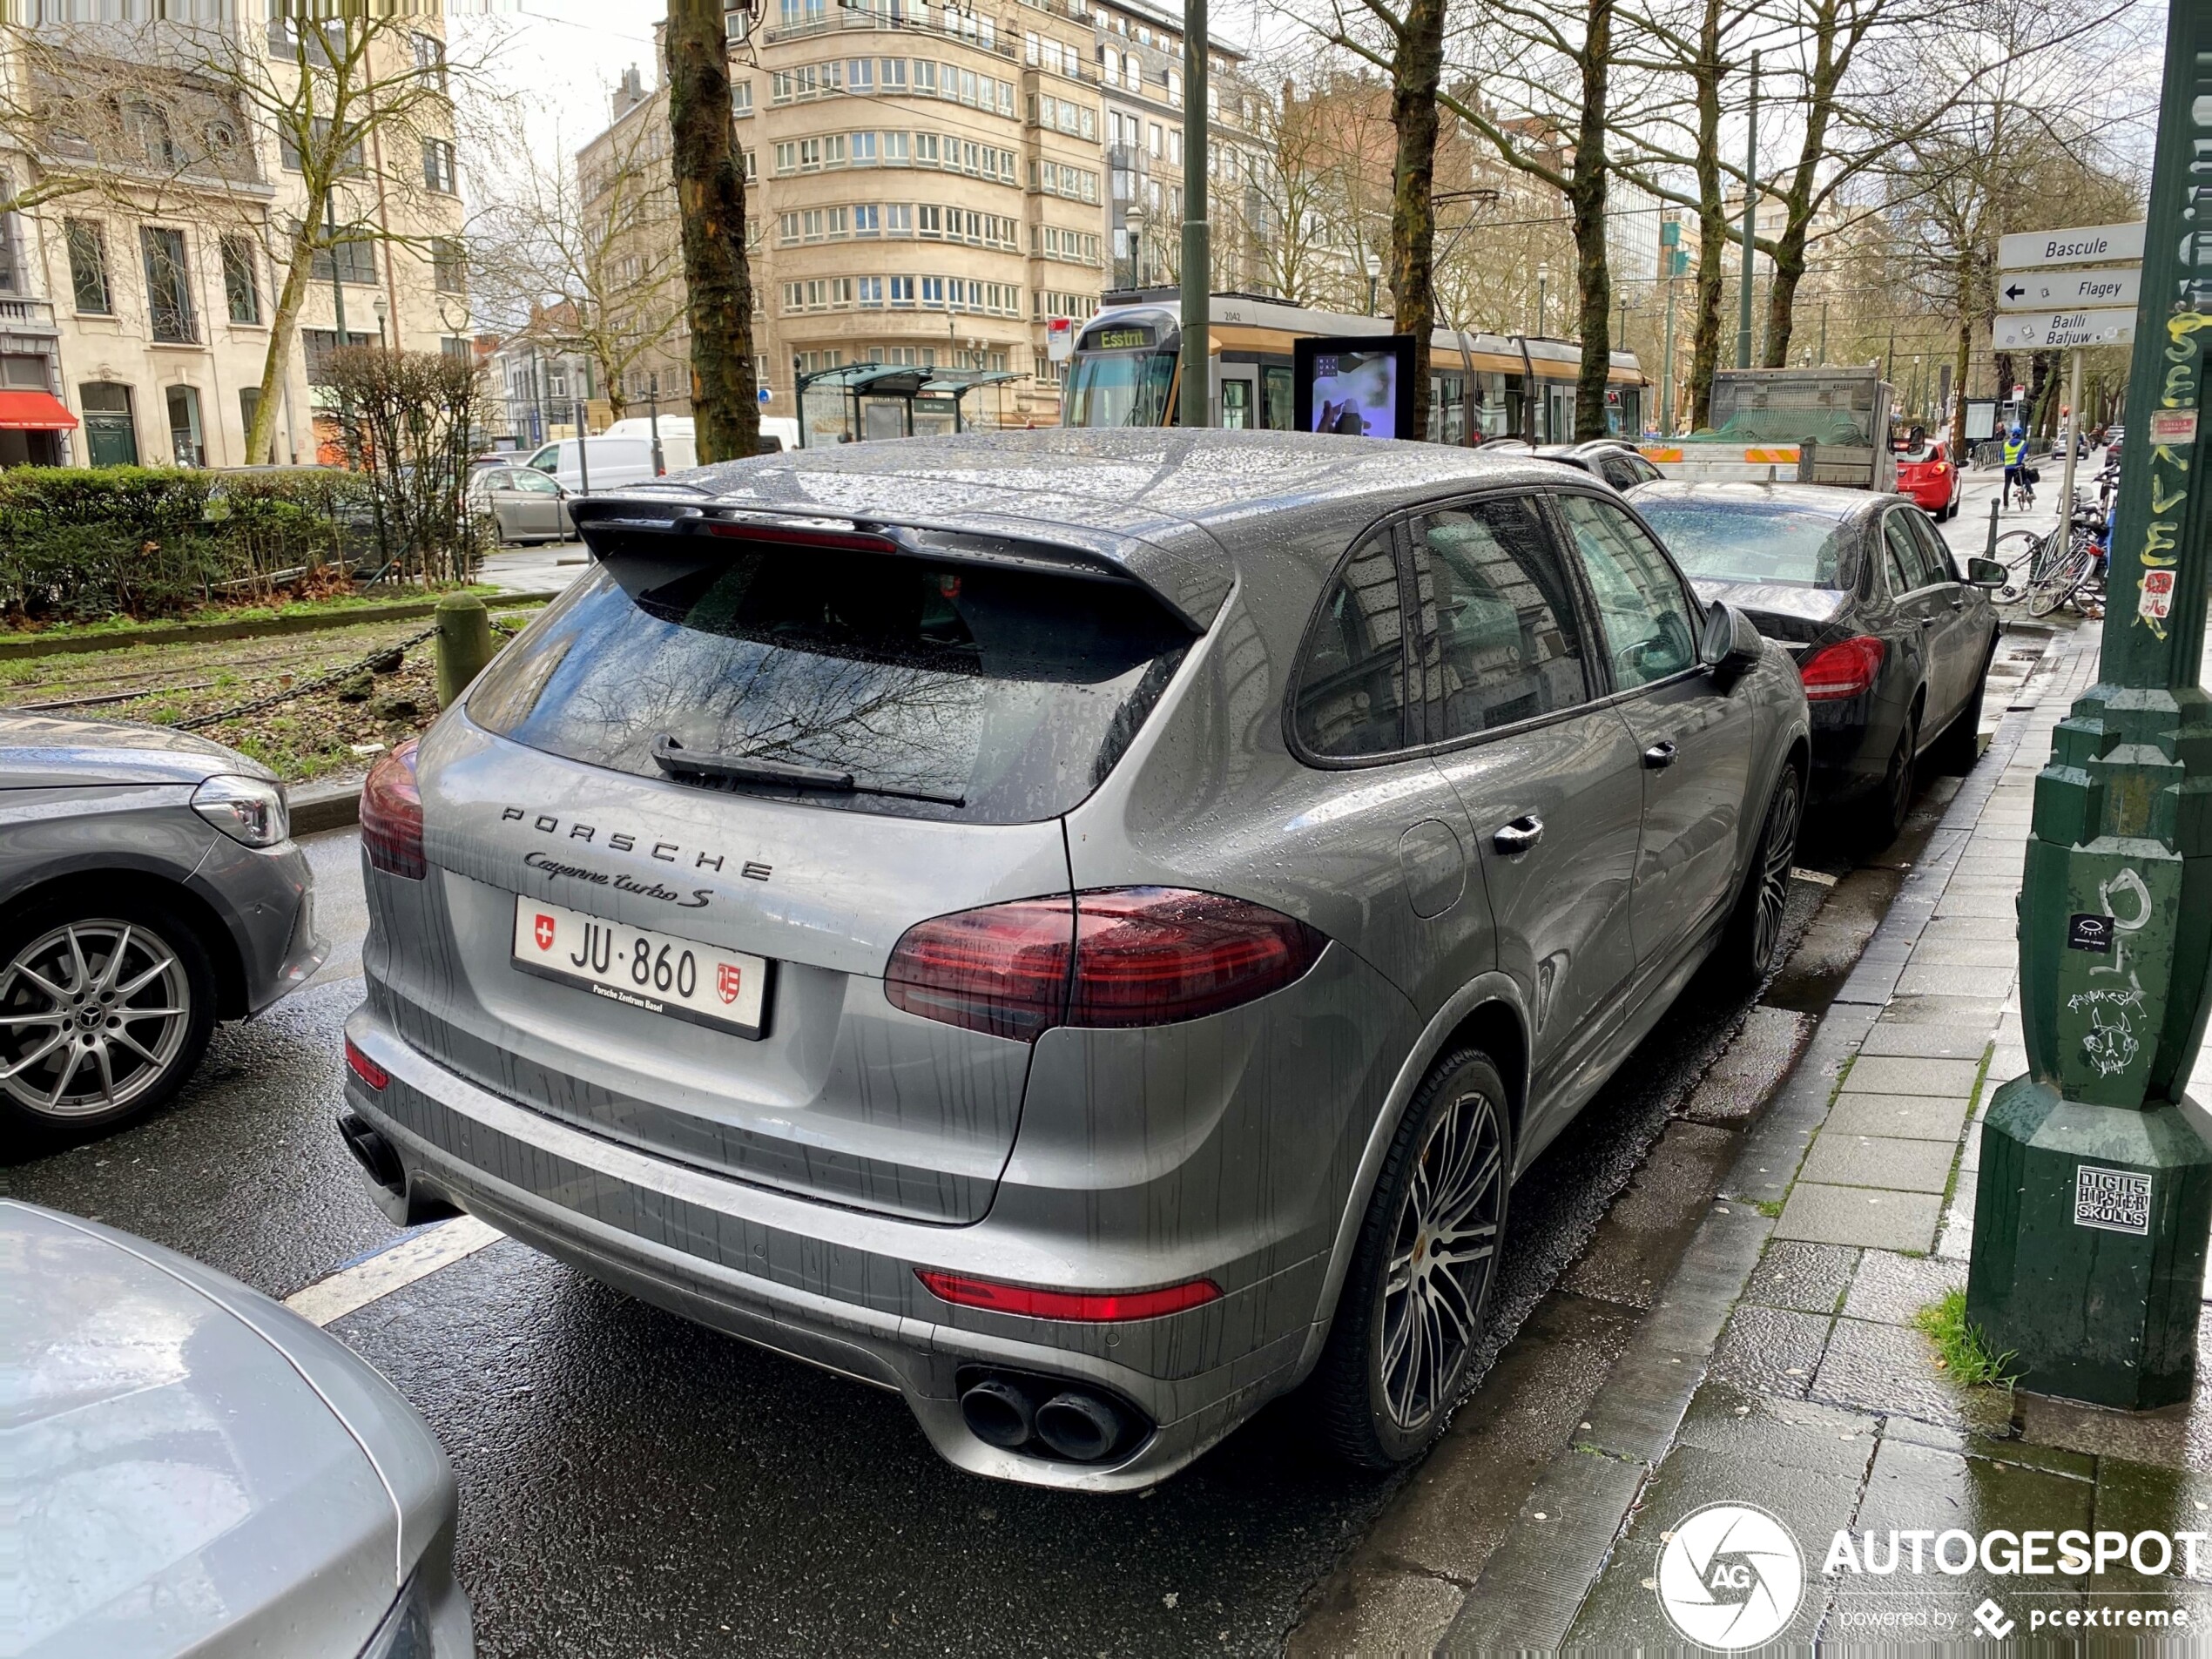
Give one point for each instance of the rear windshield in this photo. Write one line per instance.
(1728, 541)
(943, 690)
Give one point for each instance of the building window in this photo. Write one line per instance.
(168, 286)
(454, 345)
(319, 343)
(430, 61)
(740, 99)
(349, 165)
(437, 167)
(352, 258)
(241, 287)
(88, 269)
(449, 264)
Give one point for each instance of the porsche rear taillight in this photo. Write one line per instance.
(1846, 669)
(1113, 957)
(391, 816)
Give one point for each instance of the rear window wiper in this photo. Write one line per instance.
(672, 757)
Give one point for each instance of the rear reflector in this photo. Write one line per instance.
(1095, 1306)
(365, 1068)
(391, 815)
(1844, 670)
(1115, 957)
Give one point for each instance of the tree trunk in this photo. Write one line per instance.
(1959, 366)
(1712, 224)
(710, 200)
(284, 327)
(1586, 204)
(1782, 293)
(1416, 67)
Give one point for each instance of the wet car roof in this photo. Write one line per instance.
(1182, 511)
(1837, 503)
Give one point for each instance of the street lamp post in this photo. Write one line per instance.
(1543, 282)
(1375, 283)
(2094, 1196)
(1197, 246)
(1750, 221)
(382, 311)
(652, 416)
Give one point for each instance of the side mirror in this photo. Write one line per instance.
(1731, 646)
(1988, 573)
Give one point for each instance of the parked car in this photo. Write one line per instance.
(522, 505)
(192, 1468)
(1926, 477)
(613, 463)
(678, 440)
(1033, 921)
(1893, 644)
(1617, 462)
(148, 887)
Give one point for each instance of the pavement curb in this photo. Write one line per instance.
(29, 646)
(1535, 1582)
(336, 805)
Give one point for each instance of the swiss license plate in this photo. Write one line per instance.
(659, 972)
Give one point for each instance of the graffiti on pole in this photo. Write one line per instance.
(2173, 437)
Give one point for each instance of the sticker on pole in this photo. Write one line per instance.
(2173, 427)
(2085, 932)
(2158, 595)
(2116, 1201)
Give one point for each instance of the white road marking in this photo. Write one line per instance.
(417, 1257)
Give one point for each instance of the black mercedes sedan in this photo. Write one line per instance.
(1892, 641)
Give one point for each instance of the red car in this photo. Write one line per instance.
(1927, 478)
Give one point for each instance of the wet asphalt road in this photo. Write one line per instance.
(635, 1485)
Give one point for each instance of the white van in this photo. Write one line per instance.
(678, 439)
(613, 462)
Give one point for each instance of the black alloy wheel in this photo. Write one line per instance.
(1754, 937)
(1415, 1301)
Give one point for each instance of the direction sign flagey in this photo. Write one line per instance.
(2056, 330)
(2032, 248)
(2112, 284)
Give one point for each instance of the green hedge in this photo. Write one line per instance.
(79, 544)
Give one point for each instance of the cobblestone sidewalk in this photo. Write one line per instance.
(1787, 1373)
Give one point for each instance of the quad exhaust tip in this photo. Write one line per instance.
(1045, 1417)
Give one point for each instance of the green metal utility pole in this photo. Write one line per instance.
(1750, 220)
(1197, 251)
(2095, 1193)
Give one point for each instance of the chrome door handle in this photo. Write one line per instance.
(1660, 754)
(1520, 835)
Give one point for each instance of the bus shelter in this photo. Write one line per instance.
(860, 401)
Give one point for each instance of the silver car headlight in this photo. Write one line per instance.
(405, 1632)
(250, 810)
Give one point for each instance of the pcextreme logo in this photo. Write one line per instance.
(1731, 1576)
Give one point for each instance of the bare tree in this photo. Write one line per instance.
(710, 195)
(588, 255)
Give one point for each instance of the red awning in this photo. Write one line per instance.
(33, 412)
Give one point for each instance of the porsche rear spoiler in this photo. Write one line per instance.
(655, 520)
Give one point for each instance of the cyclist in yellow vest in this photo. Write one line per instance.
(2016, 476)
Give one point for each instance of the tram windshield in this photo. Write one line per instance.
(1118, 388)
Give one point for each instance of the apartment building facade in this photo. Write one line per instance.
(147, 293)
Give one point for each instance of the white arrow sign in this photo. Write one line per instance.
(2032, 248)
(2112, 284)
(2057, 330)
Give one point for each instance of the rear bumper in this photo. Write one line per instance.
(830, 1286)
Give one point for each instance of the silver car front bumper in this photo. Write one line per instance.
(832, 1286)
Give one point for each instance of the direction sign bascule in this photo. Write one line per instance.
(2043, 309)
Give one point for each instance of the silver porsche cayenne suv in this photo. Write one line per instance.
(1081, 929)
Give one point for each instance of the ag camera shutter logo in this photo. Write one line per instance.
(1731, 1576)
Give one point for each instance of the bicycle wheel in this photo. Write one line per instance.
(2016, 551)
(2051, 589)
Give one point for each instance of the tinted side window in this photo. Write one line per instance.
(1902, 555)
(1500, 642)
(1935, 557)
(1651, 629)
(1351, 686)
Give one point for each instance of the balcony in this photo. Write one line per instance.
(36, 316)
